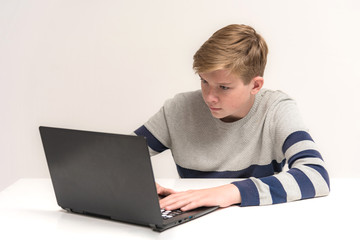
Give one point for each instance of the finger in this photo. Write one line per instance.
(176, 205)
(169, 200)
(184, 205)
(190, 206)
(177, 201)
(163, 191)
(174, 197)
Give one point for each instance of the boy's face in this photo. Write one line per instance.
(226, 95)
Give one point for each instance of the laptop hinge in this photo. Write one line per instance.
(68, 209)
(154, 226)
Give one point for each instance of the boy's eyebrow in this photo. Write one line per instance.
(225, 83)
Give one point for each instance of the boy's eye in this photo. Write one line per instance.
(224, 88)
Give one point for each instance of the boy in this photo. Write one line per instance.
(233, 128)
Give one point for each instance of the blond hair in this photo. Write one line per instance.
(237, 48)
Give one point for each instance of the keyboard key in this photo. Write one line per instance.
(169, 214)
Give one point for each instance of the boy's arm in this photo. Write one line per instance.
(158, 122)
(307, 176)
(154, 145)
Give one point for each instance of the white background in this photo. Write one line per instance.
(109, 65)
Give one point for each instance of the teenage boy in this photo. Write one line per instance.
(233, 128)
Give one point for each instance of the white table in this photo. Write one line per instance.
(28, 209)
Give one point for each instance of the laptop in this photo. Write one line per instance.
(108, 176)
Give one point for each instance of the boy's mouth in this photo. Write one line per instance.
(214, 109)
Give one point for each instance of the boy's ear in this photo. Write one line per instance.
(257, 83)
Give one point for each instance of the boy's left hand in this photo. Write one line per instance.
(222, 196)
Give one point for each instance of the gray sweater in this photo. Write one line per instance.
(269, 150)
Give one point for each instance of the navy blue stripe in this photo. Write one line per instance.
(304, 154)
(277, 191)
(152, 141)
(252, 171)
(249, 193)
(306, 187)
(295, 137)
(322, 171)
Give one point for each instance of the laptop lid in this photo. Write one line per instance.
(102, 174)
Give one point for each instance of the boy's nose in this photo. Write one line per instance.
(211, 96)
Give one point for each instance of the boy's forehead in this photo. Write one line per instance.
(221, 75)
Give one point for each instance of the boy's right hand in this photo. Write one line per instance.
(163, 191)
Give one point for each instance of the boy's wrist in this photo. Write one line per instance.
(233, 194)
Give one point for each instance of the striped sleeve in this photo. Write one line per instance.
(156, 131)
(306, 178)
(306, 165)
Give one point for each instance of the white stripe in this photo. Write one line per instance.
(303, 161)
(320, 185)
(300, 146)
(290, 186)
(264, 192)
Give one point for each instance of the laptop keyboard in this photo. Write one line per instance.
(170, 214)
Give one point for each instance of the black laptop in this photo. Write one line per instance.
(109, 176)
